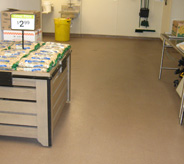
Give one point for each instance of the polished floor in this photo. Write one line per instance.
(120, 113)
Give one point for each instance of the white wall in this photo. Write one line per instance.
(99, 17)
(29, 5)
(166, 17)
(177, 11)
(128, 18)
(108, 17)
(48, 19)
(3, 6)
(19, 4)
(174, 10)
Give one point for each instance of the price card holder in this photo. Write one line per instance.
(22, 22)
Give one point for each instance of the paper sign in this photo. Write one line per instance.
(22, 22)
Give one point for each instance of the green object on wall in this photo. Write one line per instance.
(143, 17)
(145, 23)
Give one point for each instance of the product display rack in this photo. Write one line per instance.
(31, 102)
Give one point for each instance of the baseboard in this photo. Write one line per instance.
(50, 34)
(101, 36)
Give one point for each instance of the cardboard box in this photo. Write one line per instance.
(178, 28)
(14, 35)
(6, 18)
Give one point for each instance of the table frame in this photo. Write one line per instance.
(171, 42)
(32, 105)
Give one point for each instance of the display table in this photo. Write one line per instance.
(31, 102)
(171, 42)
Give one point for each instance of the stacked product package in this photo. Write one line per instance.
(44, 58)
(5, 45)
(13, 52)
(34, 57)
(9, 57)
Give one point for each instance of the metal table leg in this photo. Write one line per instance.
(181, 112)
(181, 107)
(162, 58)
(69, 78)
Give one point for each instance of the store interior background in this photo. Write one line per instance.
(107, 122)
(107, 17)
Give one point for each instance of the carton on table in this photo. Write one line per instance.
(6, 18)
(178, 28)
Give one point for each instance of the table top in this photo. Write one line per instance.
(173, 41)
(40, 75)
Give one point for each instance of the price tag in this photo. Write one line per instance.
(22, 22)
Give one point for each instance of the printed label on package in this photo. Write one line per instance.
(22, 22)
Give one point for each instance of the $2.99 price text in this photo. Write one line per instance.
(22, 23)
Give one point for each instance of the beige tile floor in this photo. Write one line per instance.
(120, 112)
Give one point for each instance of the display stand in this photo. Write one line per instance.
(170, 41)
(31, 102)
